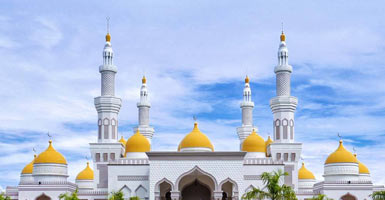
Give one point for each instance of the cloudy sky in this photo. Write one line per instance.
(195, 55)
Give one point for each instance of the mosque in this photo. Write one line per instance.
(194, 171)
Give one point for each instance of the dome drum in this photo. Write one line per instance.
(26, 179)
(341, 172)
(195, 149)
(43, 172)
(85, 184)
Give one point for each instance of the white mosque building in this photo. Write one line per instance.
(194, 171)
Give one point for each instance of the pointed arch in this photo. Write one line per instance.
(141, 192)
(164, 180)
(193, 170)
(126, 191)
(235, 185)
(348, 196)
(248, 189)
(43, 197)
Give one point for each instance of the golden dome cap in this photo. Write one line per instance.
(28, 169)
(304, 173)
(144, 80)
(108, 37)
(283, 37)
(123, 141)
(254, 143)
(361, 167)
(196, 139)
(268, 141)
(86, 174)
(50, 155)
(247, 80)
(341, 155)
(137, 143)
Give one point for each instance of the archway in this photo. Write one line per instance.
(229, 189)
(196, 191)
(348, 196)
(43, 197)
(163, 189)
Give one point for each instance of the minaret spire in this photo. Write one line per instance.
(247, 106)
(144, 112)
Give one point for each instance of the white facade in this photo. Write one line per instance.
(192, 172)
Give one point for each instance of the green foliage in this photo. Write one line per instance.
(3, 197)
(321, 197)
(116, 196)
(272, 189)
(379, 195)
(134, 198)
(72, 196)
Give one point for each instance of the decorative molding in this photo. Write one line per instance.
(132, 178)
(252, 177)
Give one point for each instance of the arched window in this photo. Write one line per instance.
(106, 124)
(99, 129)
(277, 133)
(113, 127)
(284, 124)
(141, 192)
(291, 129)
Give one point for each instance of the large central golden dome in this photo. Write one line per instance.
(137, 143)
(50, 155)
(341, 155)
(195, 139)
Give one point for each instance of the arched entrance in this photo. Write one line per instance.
(348, 197)
(43, 197)
(196, 191)
(229, 189)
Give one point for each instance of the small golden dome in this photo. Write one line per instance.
(144, 80)
(86, 174)
(254, 143)
(196, 139)
(123, 141)
(283, 37)
(268, 142)
(247, 80)
(304, 173)
(108, 37)
(50, 155)
(28, 169)
(361, 167)
(137, 143)
(341, 155)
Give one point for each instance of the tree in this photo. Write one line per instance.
(4, 197)
(321, 197)
(379, 195)
(72, 196)
(116, 196)
(135, 198)
(272, 189)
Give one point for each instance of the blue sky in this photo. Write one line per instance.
(195, 55)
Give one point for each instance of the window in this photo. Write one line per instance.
(113, 127)
(277, 133)
(292, 158)
(285, 156)
(291, 129)
(105, 157)
(112, 156)
(284, 123)
(278, 156)
(106, 122)
(99, 129)
(97, 157)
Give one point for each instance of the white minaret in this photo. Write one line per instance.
(144, 112)
(283, 106)
(108, 148)
(247, 113)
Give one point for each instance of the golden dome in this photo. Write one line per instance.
(50, 155)
(304, 173)
(268, 142)
(247, 80)
(196, 139)
(341, 155)
(283, 37)
(361, 167)
(144, 80)
(108, 37)
(86, 174)
(28, 169)
(123, 141)
(137, 143)
(254, 143)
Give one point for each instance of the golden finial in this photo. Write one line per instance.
(283, 37)
(108, 36)
(247, 80)
(144, 80)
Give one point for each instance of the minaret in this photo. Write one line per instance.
(107, 149)
(247, 114)
(144, 112)
(283, 106)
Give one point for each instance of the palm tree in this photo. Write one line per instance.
(4, 197)
(72, 196)
(116, 196)
(379, 195)
(134, 198)
(272, 190)
(321, 197)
